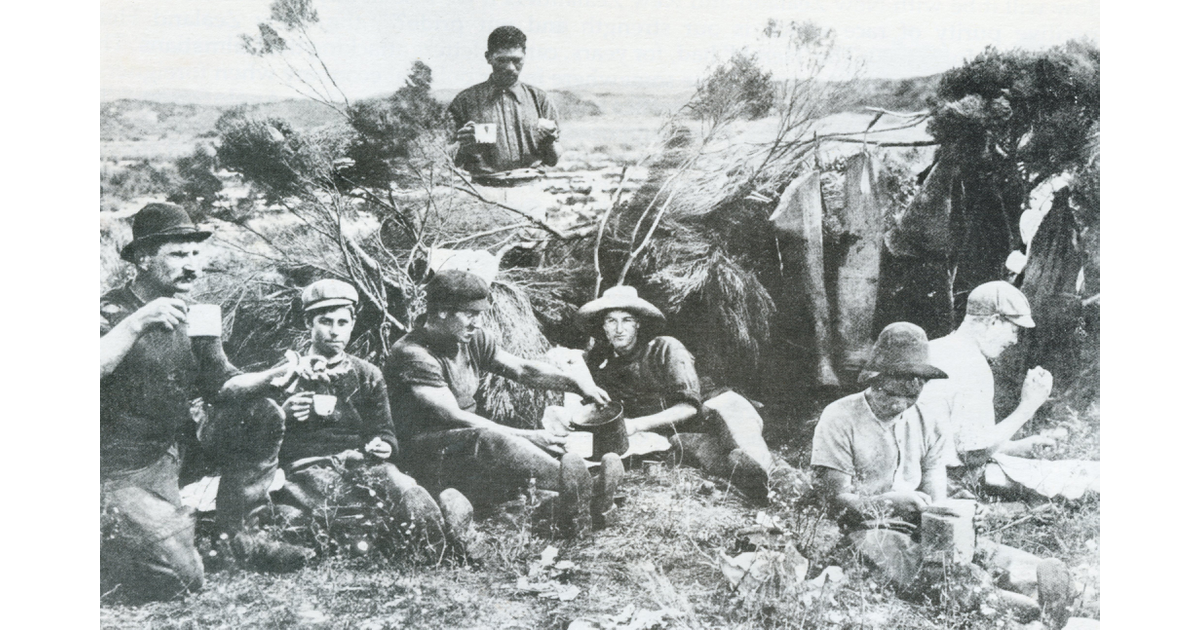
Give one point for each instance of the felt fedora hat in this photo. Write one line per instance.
(160, 223)
(620, 297)
(902, 350)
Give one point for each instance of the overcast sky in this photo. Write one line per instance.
(369, 44)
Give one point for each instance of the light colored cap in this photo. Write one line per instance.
(1000, 298)
(327, 293)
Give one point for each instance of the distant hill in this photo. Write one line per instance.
(137, 120)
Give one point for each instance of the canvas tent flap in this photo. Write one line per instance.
(797, 219)
(923, 229)
(858, 276)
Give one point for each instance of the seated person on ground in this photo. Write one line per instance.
(995, 312)
(150, 370)
(878, 460)
(654, 378)
(433, 374)
(339, 430)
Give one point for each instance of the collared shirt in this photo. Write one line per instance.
(657, 375)
(361, 414)
(879, 456)
(419, 359)
(146, 400)
(515, 111)
(964, 402)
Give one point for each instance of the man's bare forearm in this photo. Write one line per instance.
(679, 413)
(115, 345)
(254, 383)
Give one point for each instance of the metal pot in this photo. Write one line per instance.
(607, 426)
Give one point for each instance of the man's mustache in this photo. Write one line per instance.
(188, 275)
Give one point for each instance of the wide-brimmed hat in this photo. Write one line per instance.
(457, 289)
(160, 223)
(902, 350)
(1000, 298)
(328, 293)
(620, 297)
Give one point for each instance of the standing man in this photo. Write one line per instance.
(433, 374)
(150, 370)
(526, 122)
(984, 449)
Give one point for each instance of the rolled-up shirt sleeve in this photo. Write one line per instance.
(676, 371)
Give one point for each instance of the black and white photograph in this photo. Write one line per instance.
(609, 316)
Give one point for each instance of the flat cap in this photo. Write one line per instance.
(327, 293)
(458, 289)
(1000, 298)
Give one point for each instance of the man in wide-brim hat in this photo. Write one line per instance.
(654, 377)
(875, 449)
(150, 371)
(880, 462)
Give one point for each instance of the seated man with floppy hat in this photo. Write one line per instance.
(654, 377)
(879, 460)
(339, 432)
(433, 375)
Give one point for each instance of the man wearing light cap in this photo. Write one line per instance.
(996, 311)
(339, 432)
(433, 375)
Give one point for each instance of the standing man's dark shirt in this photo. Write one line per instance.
(515, 111)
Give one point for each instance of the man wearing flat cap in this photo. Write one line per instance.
(339, 431)
(654, 377)
(996, 311)
(150, 371)
(433, 374)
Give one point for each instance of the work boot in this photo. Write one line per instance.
(459, 516)
(424, 516)
(258, 551)
(604, 488)
(1054, 592)
(748, 476)
(575, 495)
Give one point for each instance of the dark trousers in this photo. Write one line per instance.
(147, 536)
(146, 546)
(487, 466)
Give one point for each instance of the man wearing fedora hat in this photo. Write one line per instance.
(339, 431)
(150, 371)
(983, 450)
(654, 377)
(433, 374)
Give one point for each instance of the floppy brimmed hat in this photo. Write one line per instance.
(902, 350)
(160, 223)
(1000, 298)
(620, 297)
(327, 293)
(458, 289)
